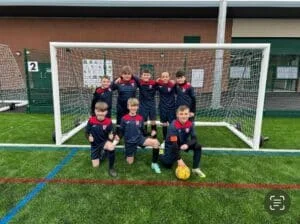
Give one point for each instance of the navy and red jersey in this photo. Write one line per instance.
(147, 93)
(131, 128)
(179, 133)
(126, 90)
(103, 95)
(186, 96)
(167, 95)
(99, 129)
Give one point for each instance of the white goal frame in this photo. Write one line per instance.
(253, 143)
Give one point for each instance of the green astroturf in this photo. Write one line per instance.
(94, 203)
(18, 163)
(38, 128)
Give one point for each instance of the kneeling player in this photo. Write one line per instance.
(99, 134)
(132, 129)
(181, 137)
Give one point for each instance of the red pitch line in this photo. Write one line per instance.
(155, 183)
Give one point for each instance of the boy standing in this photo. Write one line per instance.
(132, 129)
(103, 94)
(185, 93)
(126, 87)
(166, 89)
(181, 137)
(99, 133)
(147, 108)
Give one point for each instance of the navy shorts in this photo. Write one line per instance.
(167, 161)
(167, 115)
(96, 150)
(148, 113)
(131, 148)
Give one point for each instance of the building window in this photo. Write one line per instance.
(284, 64)
(191, 39)
(283, 73)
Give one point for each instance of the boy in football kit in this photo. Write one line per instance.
(132, 129)
(126, 86)
(166, 89)
(185, 93)
(181, 137)
(99, 134)
(103, 94)
(147, 108)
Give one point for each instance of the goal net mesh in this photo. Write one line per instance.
(12, 82)
(225, 81)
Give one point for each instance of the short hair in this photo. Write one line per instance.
(179, 74)
(126, 69)
(105, 77)
(101, 106)
(133, 102)
(182, 108)
(145, 71)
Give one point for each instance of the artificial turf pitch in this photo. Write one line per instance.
(233, 192)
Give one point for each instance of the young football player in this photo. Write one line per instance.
(132, 129)
(147, 108)
(126, 86)
(185, 93)
(181, 137)
(166, 89)
(103, 94)
(99, 134)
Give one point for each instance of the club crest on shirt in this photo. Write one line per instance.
(150, 86)
(132, 84)
(183, 90)
(169, 89)
(104, 127)
(187, 130)
(137, 122)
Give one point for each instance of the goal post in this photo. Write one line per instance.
(12, 82)
(77, 68)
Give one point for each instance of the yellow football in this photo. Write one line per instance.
(182, 172)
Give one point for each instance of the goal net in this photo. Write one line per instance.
(229, 80)
(12, 83)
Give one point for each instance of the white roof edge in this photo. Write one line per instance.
(113, 3)
(152, 3)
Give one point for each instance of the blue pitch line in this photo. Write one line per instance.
(11, 214)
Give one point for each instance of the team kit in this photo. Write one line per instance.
(177, 107)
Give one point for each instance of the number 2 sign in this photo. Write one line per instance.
(33, 66)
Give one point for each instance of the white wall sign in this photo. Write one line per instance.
(287, 72)
(237, 72)
(93, 70)
(197, 77)
(33, 66)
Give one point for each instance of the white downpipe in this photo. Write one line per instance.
(217, 85)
